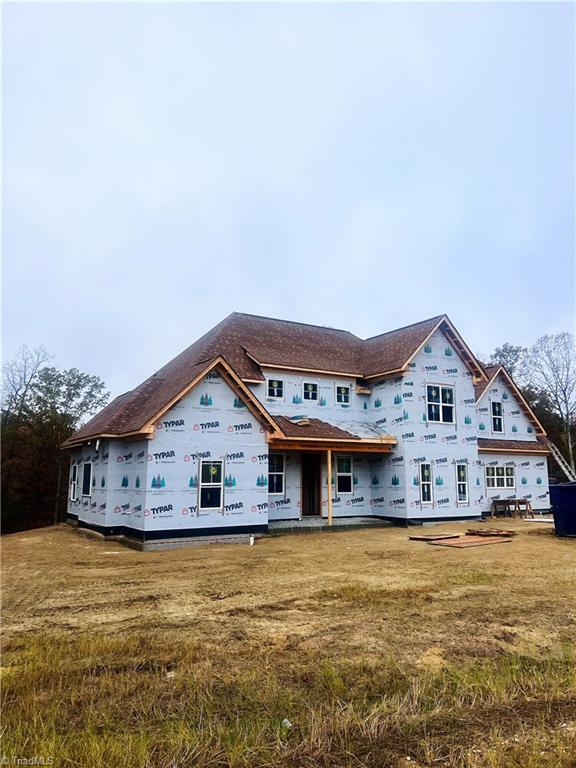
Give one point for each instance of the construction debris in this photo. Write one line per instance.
(489, 532)
(471, 541)
(434, 536)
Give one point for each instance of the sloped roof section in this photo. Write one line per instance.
(391, 351)
(523, 446)
(314, 428)
(249, 342)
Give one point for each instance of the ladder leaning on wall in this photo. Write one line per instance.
(561, 461)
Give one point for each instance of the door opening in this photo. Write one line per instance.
(311, 504)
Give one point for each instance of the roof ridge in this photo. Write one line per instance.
(296, 322)
(404, 327)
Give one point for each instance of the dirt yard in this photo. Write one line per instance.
(351, 600)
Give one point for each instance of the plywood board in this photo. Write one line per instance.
(471, 541)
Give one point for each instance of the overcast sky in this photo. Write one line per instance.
(358, 166)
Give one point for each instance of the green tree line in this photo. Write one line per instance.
(41, 407)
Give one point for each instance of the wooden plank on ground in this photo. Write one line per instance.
(433, 536)
(471, 541)
(489, 532)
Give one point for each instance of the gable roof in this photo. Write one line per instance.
(134, 413)
(246, 344)
(492, 372)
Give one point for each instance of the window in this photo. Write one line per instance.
(425, 484)
(87, 479)
(343, 395)
(276, 389)
(440, 404)
(74, 483)
(500, 477)
(211, 485)
(310, 391)
(276, 473)
(497, 418)
(344, 478)
(462, 483)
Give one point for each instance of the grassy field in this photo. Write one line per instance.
(349, 649)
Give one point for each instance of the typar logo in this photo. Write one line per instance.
(196, 456)
(173, 425)
(162, 510)
(261, 458)
(163, 457)
(207, 426)
(246, 427)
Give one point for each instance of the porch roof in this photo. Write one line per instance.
(316, 434)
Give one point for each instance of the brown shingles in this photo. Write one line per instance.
(313, 428)
(241, 337)
(539, 445)
(390, 351)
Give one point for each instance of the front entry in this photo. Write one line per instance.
(311, 484)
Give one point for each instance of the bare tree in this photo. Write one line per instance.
(550, 365)
(510, 356)
(19, 375)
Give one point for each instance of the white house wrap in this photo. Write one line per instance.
(243, 427)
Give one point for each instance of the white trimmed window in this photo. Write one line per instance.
(87, 479)
(276, 470)
(500, 477)
(343, 395)
(344, 475)
(462, 483)
(211, 483)
(440, 404)
(74, 483)
(497, 417)
(425, 476)
(276, 389)
(310, 390)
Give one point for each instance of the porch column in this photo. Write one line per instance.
(329, 467)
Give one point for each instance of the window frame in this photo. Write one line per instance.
(339, 474)
(422, 483)
(493, 474)
(282, 474)
(74, 483)
(317, 390)
(84, 465)
(337, 394)
(269, 385)
(462, 502)
(493, 417)
(441, 405)
(202, 484)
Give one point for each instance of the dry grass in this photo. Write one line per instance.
(379, 651)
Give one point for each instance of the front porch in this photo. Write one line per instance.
(322, 476)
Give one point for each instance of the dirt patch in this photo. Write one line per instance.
(365, 592)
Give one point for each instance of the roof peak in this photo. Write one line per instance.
(292, 322)
(404, 327)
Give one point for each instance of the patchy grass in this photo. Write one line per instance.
(157, 701)
(360, 649)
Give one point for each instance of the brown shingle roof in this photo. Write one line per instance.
(390, 351)
(241, 337)
(538, 446)
(314, 428)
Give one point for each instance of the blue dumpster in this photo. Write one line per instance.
(563, 501)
